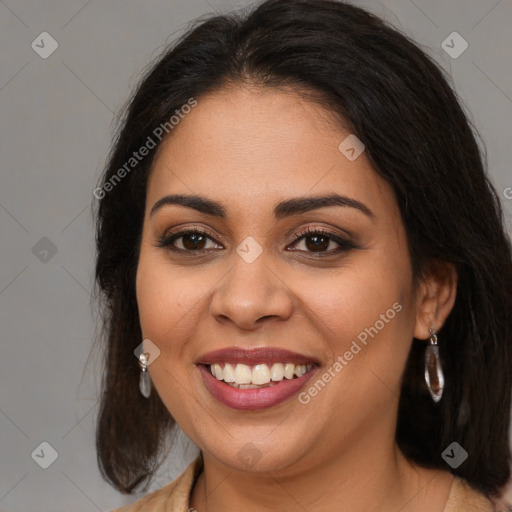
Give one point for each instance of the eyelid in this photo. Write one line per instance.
(347, 237)
(165, 239)
(195, 229)
(345, 242)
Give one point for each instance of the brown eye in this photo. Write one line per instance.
(190, 240)
(193, 241)
(314, 240)
(317, 242)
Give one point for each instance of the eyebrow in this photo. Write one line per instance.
(293, 206)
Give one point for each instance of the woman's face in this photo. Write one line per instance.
(254, 278)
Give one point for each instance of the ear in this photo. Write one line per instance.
(435, 298)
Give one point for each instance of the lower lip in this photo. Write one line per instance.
(255, 398)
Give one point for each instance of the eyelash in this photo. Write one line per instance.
(345, 244)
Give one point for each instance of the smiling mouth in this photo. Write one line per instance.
(242, 376)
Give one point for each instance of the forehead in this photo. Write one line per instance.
(246, 146)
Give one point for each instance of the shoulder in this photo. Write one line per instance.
(174, 497)
(464, 498)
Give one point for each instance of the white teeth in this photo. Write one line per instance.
(260, 374)
(243, 374)
(243, 377)
(277, 372)
(229, 373)
(300, 370)
(289, 370)
(217, 371)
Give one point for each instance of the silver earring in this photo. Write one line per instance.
(145, 379)
(433, 371)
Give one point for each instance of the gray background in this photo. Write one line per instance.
(56, 126)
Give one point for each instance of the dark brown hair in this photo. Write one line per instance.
(400, 105)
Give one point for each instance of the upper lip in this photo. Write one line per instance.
(256, 355)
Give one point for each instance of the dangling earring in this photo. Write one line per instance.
(433, 372)
(144, 380)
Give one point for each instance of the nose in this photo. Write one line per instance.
(251, 294)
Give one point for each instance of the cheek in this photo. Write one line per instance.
(170, 299)
(366, 316)
(348, 302)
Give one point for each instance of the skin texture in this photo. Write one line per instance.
(250, 148)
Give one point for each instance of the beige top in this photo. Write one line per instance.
(174, 497)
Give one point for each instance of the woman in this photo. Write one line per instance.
(297, 239)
